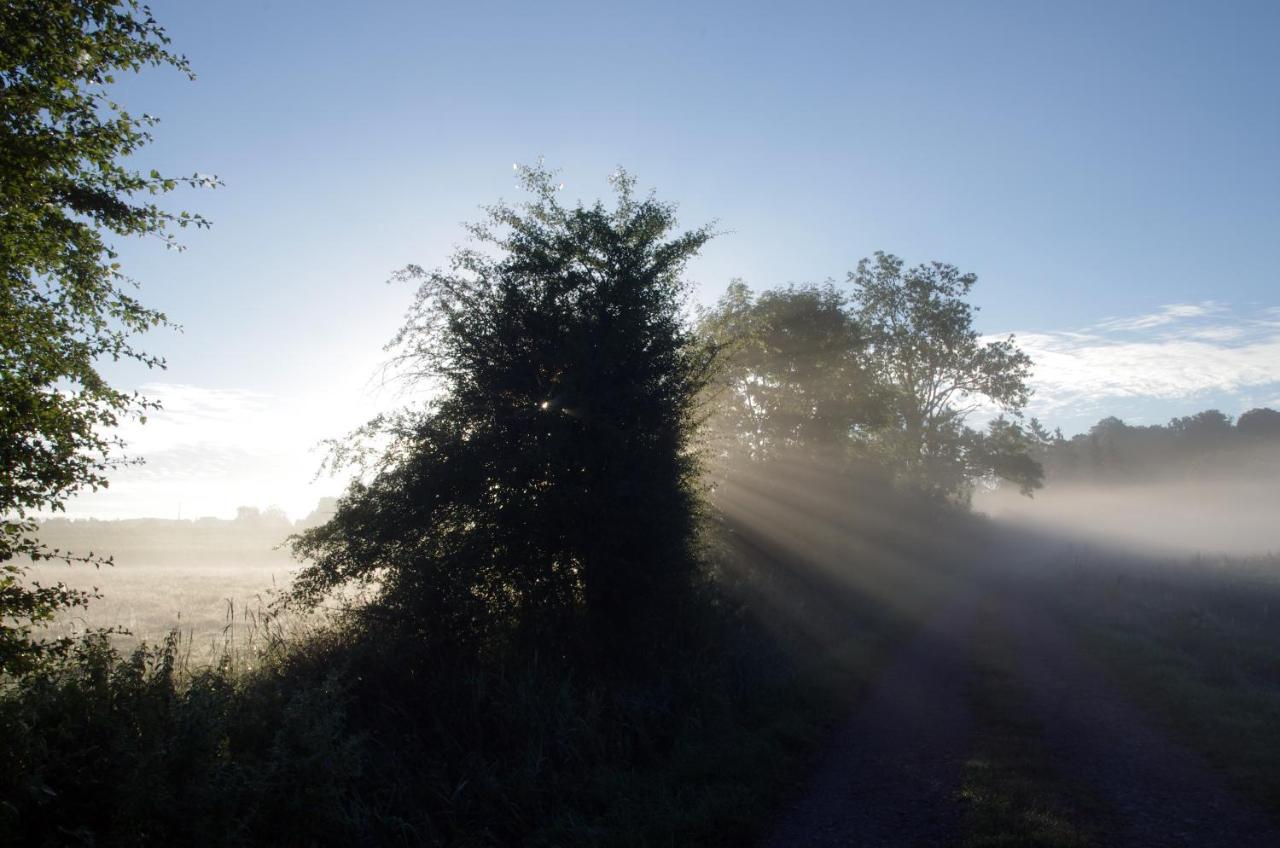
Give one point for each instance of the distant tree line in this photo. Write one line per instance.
(1206, 443)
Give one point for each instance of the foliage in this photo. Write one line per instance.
(883, 378)
(1261, 422)
(938, 370)
(65, 305)
(550, 482)
(332, 739)
(792, 376)
(142, 749)
(1005, 452)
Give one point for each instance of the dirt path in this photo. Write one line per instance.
(890, 774)
(1163, 794)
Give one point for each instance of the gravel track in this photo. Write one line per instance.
(889, 775)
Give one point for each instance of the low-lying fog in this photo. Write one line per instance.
(1171, 517)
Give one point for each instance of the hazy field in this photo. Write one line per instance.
(200, 596)
(1168, 519)
(201, 584)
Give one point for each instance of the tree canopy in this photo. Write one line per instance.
(549, 487)
(937, 369)
(793, 376)
(884, 375)
(65, 303)
(1259, 422)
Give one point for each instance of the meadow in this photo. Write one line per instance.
(1196, 642)
(207, 598)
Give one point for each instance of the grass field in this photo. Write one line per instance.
(1196, 642)
(207, 598)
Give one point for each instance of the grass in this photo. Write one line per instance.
(149, 598)
(1197, 644)
(1012, 794)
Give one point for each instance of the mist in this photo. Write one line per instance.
(1200, 484)
(1179, 516)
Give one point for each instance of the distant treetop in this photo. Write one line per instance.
(1205, 443)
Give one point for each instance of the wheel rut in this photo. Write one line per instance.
(890, 773)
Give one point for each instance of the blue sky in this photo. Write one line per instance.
(1110, 171)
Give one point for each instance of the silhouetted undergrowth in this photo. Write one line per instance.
(341, 735)
(337, 741)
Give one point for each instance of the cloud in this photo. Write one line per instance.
(1168, 314)
(1182, 351)
(209, 450)
(192, 414)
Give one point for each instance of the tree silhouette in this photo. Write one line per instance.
(882, 379)
(1006, 451)
(548, 489)
(937, 370)
(1260, 423)
(1207, 428)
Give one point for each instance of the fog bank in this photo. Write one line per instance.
(1174, 517)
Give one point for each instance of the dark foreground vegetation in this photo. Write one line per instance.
(346, 737)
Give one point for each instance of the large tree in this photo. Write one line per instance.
(879, 381)
(66, 185)
(548, 488)
(938, 370)
(1259, 423)
(792, 378)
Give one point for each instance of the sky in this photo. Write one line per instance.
(1109, 171)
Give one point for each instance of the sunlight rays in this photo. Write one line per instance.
(807, 537)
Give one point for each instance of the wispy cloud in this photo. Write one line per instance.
(1169, 314)
(208, 450)
(1180, 351)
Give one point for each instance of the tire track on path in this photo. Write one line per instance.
(1163, 794)
(890, 774)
